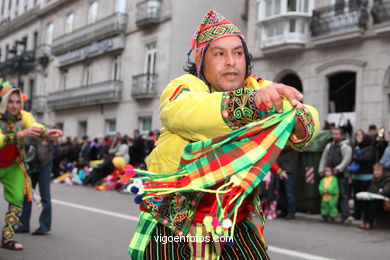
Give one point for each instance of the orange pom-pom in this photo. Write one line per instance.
(24, 97)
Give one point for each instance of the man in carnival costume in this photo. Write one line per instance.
(223, 130)
(15, 125)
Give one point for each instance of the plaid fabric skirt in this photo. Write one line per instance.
(247, 245)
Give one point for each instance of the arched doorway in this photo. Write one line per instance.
(292, 80)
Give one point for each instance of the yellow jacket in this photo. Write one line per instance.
(189, 112)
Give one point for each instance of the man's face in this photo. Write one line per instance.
(14, 104)
(224, 64)
(336, 135)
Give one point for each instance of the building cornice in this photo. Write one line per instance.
(30, 16)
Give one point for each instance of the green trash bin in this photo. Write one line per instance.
(307, 179)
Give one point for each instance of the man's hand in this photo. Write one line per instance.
(321, 174)
(335, 171)
(53, 134)
(271, 96)
(30, 132)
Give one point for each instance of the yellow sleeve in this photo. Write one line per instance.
(189, 110)
(2, 138)
(28, 121)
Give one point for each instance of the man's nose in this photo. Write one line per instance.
(230, 60)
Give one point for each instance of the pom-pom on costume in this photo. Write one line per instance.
(214, 150)
(13, 175)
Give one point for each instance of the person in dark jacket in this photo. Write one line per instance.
(363, 159)
(379, 185)
(288, 161)
(137, 151)
(39, 169)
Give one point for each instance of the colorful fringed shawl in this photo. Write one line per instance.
(240, 160)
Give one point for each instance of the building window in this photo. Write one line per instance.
(150, 58)
(64, 79)
(69, 23)
(87, 77)
(92, 14)
(342, 92)
(121, 6)
(83, 128)
(116, 68)
(49, 33)
(111, 127)
(145, 124)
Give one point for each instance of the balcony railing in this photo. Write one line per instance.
(107, 27)
(380, 12)
(22, 63)
(144, 86)
(98, 93)
(148, 13)
(39, 103)
(334, 19)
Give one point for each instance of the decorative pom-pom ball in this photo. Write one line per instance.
(215, 222)
(138, 200)
(226, 223)
(218, 230)
(207, 221)
(230, 242)
(134, 190)
(138, 183)
(118, 162)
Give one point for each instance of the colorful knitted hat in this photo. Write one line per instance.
(6, 89)
(214, 26)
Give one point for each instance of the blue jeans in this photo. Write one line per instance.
(288, 185)
(344, 196)
(43, 179)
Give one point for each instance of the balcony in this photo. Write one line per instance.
(22, 63)
(39, 103)
(144, 86)
(338, 23)
(283, 26)
(102, 29)
(99, 93)
(381, 16)
(148, 13)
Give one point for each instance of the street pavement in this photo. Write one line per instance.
(90, 224)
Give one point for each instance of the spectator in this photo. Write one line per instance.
(137, 151)
(85, 150)
(363, 159)
(116, 143)
(380, 185)
(123, 150)
(94, 150)
(74, 150)
(39, 169)
(378, 141)
(337, 155)
(269, 195)
(385, 159)
(150, 142)
(288, 161)
(104, 147)
(329, 190)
